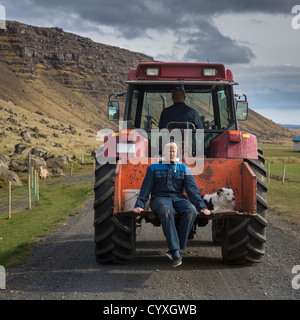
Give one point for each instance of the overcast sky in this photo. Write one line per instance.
(254, 38)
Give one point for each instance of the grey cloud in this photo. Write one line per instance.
(117, 13)
(134, 18)
(179, 6)
(234, 6)
(209, 43)
(263, 79)
(155, 14)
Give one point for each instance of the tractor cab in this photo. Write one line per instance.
(208, 89)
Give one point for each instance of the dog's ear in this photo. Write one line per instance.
(220, 190)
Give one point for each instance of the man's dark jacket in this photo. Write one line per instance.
(165, 179)
(179, 112)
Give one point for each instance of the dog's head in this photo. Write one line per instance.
(226, 193)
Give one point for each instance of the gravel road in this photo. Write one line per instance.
(62, 266)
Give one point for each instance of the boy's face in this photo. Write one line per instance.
(170, 152)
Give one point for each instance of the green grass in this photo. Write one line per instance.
(57, 202)
(292, 172)
(277, 156)
(279, 151)
(284, 199)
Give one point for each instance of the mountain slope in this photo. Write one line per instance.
(266, 130)
(66, 76)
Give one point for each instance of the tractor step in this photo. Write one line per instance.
(214, 215)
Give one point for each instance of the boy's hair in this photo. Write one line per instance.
(168, 145)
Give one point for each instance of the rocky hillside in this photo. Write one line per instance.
(54, 89)
(266, 130)
(62, 75)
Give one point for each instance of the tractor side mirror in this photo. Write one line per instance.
(113, 110)
(242, 110)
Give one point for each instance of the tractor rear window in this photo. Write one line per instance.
(211, 103)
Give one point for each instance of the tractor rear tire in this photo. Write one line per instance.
(243, 239)
(216, 230)
(114, 236)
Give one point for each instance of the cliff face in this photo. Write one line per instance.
(80, 63)
(57, 72)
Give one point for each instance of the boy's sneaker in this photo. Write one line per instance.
(177, 261)
(169, 255)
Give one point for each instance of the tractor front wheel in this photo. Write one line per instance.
(243, 239)
(114, 236)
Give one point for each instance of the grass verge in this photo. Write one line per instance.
(57, 202)
(283, 199)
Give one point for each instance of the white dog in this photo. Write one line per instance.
(222, 200)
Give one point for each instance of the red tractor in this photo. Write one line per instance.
(230, 158)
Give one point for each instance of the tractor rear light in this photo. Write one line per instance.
(210, 72)
(235, 136)
(127, 135)
(152, 72)
(126, 148)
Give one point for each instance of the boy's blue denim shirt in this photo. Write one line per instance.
(164, 179)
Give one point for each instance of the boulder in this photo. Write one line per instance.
(40, 135)
(57, 172)
(57, 145)
(21, 148)
(10, 176)
(36, 162)
(55, 161)
(40, 152)
(66, 159)
(3, 161)
(58, 161)
(26, 135)
(18, 165)
(12, 120)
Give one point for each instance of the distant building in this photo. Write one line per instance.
(297, 143)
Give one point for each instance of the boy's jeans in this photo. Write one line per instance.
(166, 207)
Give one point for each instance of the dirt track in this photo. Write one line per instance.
(62, 266)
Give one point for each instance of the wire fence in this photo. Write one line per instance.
(16, 199)
(284, 171)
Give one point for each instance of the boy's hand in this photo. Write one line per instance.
(206, 212)
(138, 210)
